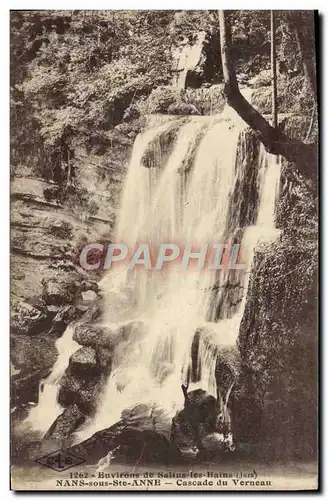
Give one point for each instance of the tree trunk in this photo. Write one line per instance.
(274, 140)
(274, 70)
(68, 168)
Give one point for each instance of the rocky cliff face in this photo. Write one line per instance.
(48, 287)
(278, 339)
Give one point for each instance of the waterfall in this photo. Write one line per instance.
(211, 183)
(186, 198)
(187, 58)
(48, 409)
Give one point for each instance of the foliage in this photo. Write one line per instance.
(206, 100)
(161, 99)
(294, 96)
(182, 108)
(251, 40)
(79, 72)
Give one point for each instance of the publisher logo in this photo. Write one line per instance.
(60, 460)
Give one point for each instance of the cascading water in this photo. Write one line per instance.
(186, 200)
(199, 193)
(47, 410)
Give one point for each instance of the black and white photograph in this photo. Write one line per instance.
(164, 250)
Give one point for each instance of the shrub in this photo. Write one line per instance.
(293, 95)
(51, 193)
(161, 98)
(171, 100)
(182, 108)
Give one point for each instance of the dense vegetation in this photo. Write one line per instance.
(84, 81)
(75, 75)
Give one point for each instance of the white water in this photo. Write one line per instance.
(172, 205)
(187, 58)
(48, 409)
(172, 303)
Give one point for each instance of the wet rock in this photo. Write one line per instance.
(90, 314)
(94, 335)
(66, 423)
(32, 354)
(228, 369)
(89, 295)
(184, 437)
(97, 446)
(60, 289)
(33, 359)
(28, 319)
(193, 423)
(25, 387)
(84, 362)
(148, 417)
(80, 391)
(89, 285)
(142, 435)
(65, 315)
(101, 341)
(144, 446)
(163, 142)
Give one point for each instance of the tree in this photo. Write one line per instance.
(301, 22)
(74, 74)
(273, 138)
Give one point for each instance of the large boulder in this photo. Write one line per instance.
(29, 355)
(141, 435)
(60, 289)
(32, 360)
(97, 446)
(192, 424)
(84, 392)
(28, 319)
(184, 437)
(148, 417)
(94, 335)
(145, 446)
(65, 424)
(84, 362)
(64, 316)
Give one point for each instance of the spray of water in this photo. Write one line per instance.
(184, 199)
(184, 206)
